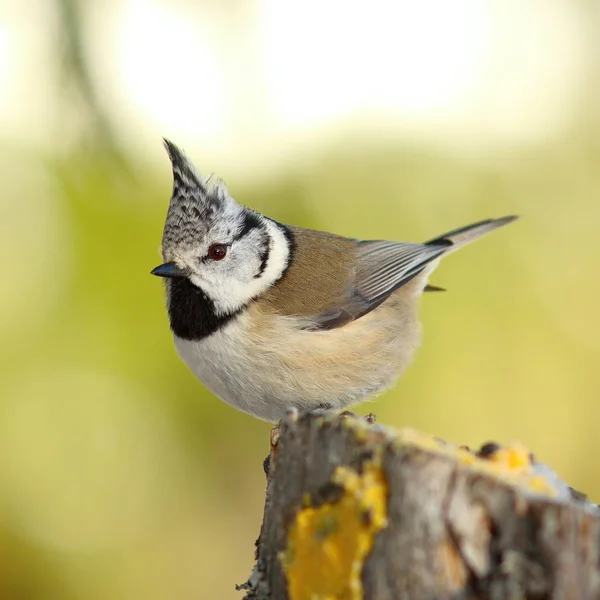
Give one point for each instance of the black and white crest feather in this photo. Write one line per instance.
(194, 204)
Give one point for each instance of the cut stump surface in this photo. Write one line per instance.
(358, 511)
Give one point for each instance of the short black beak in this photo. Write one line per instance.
(169, 269)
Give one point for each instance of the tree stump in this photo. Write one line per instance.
(359, 511)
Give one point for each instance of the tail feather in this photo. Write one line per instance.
(465, 235)
(433, 288)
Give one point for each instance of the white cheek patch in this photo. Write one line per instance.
(279, 257)
(232, 289)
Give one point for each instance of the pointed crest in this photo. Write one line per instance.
(185, 175)
(194, 205)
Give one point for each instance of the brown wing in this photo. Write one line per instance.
(382, 267)
(334, 280)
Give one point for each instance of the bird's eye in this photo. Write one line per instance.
(217, 251)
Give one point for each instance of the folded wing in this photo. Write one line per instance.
(384, 266)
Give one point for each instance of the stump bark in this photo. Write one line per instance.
(358, 511)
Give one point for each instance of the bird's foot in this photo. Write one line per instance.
(369, 418)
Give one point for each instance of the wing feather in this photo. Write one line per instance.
(385, 266)
(382, 267)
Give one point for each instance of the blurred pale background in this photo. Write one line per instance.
(120, 476)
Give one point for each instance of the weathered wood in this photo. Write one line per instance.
(355, 510)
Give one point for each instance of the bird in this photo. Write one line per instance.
(272, 317)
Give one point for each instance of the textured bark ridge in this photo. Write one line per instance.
(358, 511)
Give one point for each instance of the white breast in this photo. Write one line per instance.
(263, 363)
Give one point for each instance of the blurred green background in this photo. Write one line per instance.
(120, 476)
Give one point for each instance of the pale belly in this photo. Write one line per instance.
(264, 364)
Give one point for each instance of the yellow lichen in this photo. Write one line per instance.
(540, 484)
(510, 463)
(514, 458)
(328, 544)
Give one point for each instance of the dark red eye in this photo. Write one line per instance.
(217, 251)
